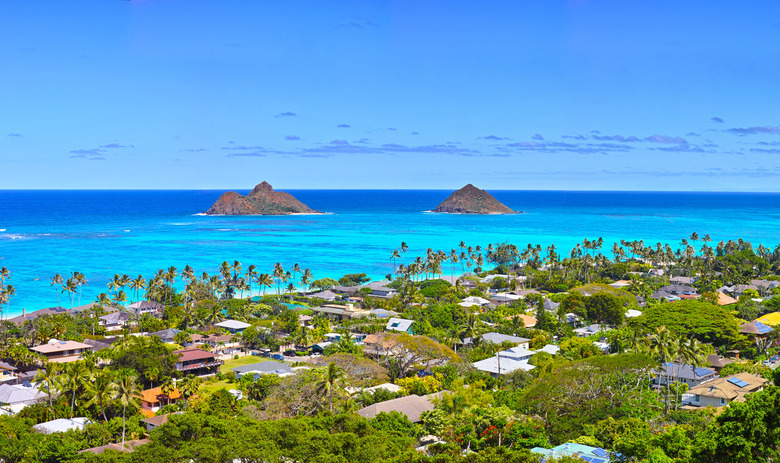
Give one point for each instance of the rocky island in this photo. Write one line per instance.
(472, 200)
(262, 200)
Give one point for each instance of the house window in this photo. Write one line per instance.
(723, 401)
(697, 398)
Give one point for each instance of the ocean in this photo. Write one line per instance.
(102, 233)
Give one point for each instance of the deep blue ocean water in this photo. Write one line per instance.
(100, 233)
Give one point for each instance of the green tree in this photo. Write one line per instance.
(332, 379)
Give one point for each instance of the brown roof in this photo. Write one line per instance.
(717, 361)
(721, 388)
(156, 395)
(130, 445)
(59, 346)
(185, 355)
(725, 299)
(158, 420)
(412, 406)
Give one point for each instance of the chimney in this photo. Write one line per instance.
(350, 307)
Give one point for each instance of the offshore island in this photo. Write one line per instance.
(262, 200)
(472, 200)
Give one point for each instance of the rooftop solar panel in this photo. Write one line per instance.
(738, 382)
(600, 452)
(699, 371)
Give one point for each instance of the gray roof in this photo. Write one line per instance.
(684, 371)
(399, 324)
(19, 394)
(328, 295)
(165, 334)
(61, 425)
(233, 325)
(267, 366)
(498, 338)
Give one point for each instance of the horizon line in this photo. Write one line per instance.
(393, 189)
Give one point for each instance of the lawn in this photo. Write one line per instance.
(232, 363)
(213, 387)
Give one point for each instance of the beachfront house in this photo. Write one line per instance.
(142, 308)
(198, 362)
(62, 351)
(721, 391)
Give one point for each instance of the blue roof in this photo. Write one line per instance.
(699, 371)
(600, 452)
(738, 382)
(763, 329)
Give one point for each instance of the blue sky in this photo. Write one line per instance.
(593, 95)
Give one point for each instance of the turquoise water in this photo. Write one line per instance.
(100, 233)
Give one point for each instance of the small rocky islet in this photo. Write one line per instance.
(472, 200)
(262, 200)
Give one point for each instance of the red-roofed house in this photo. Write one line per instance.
(197, 362)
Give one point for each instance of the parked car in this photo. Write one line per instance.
(279, 357)
(290, 353)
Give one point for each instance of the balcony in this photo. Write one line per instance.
(195, 366)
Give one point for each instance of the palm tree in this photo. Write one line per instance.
(138, 285)
(102, 300)
(74, 378)
(57, 280)
(71, 287)
(81, 280)
(126, 390)
(332, 378)
(265, 281)
(47, 379)
(306, 278)
(120, 297)
(661, 347)
(167, 387)
(189, 386)
(102, 390)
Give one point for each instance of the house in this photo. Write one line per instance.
(153, 400)
(725, 299)
(166, 336)
(327, 295)
(506, 361)
(234, 326)
(687, 281)
(688, 374)
(194, 361)
(573, 450)
(347, 290)
(551, 349)
(62, 425)
(99, 344)
(721, 391)
(413, 406)
(620, 284)
(267, 367)
(755, 329)
(590, 330)
(156, 421)
(19, 396)
(770, 319)
(39, 313)
(400, 324)
(7, 371)
(383, 313)
(503, 298)
(676, 290)
(340, 312)
(220, 344)
(114, 321)
(498, 338)
(474, 301)
(130, 446)
(632, 313)
(717, 362)
(764, 286)
(380, 290)
(551, 306)
(62, 351)
(142, 308)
